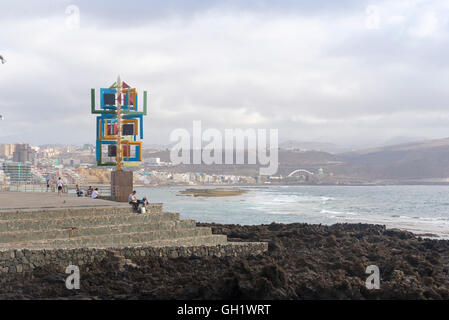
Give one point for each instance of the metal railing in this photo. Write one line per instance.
(26, 187)
(69, 189)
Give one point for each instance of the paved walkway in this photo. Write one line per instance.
(50, 200)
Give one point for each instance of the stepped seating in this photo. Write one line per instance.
(100, 227)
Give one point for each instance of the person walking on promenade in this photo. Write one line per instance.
(59, 183)
(48, 184)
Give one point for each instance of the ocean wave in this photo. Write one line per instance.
(399, 206)
(331, 211)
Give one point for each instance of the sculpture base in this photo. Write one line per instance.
(121, 185)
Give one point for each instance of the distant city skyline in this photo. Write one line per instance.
(284, 144)
(351, 73)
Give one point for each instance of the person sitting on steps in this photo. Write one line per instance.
(95, 194)
(79, 192)
(144, 203)
(89, 191)
(132, 200)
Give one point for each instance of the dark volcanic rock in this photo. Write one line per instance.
(303, 262)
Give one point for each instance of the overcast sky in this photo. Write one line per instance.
(347, 72)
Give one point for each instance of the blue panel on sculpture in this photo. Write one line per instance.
(106, 101)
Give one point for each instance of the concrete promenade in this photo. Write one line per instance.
(50, 200)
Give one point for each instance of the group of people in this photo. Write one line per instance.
(94, 194)
(91, 192)
(135, 202)
(132, 198)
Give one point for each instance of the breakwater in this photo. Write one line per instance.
(38, 237)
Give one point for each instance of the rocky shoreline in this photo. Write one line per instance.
(303, 262)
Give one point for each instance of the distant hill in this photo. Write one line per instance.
(315, 146)
(425, 160)
(288, 161)
(417, 160)
(400, 140)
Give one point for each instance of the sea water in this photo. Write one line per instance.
(420, 209)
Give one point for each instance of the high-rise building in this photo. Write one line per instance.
(18, 173)
(23, 153)
(6, 150)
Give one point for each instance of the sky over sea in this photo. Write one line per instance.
(346, 72)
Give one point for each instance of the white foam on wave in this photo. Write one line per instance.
(331, 211)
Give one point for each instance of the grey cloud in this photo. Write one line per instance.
(311, 69)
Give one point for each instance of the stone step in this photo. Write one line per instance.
(70, 232)
(43, 214)
(111, 240)
(207, 240)
(87, 221)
